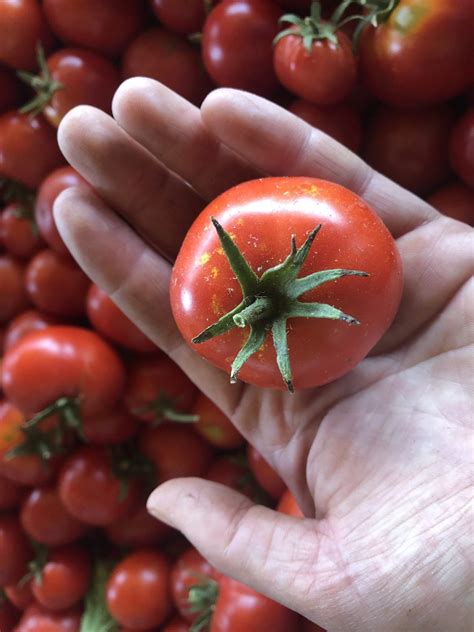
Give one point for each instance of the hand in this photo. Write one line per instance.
(380, 459)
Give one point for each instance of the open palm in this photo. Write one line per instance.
(381, 460)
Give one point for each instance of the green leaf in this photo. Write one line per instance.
(320, 310)
(312, 281)
(281, 347)
(96, 617)
(252, 345)
(246, 277)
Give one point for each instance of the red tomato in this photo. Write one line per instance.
(410, 146)
(15, 550)
(112, 323)
(419, 35)
(45, 519)
(325, 74)
(105, 27)
(170, 59)
(137, 529)
(20, 595)
(233, 471)
(262, 216)
(56, 182)
(237, 45)
(11, 90)
(56, 285)
(22, 25)
(214, 426)
(240, 609)
(110, 427)
(289, 506)
(11, 494)
(171, 15)
(264, 473)
(8, 616)
(39, 619)
(190, 569)
(461, 148)
(165, 447)
(137, 592)
(156, 389)
(18, 232)
(13, 298)
(175, 625)
(455, 200)
(64, 578)
(31, 320)
(71, 361)
(20, 135)
(342, 121)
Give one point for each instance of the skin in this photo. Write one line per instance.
(386, 494)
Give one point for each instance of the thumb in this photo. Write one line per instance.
(287, 559)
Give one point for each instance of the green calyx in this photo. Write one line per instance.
(271, 299)
(202, 598)
(164, 408)
(43, 84)
(128, 463)
(96, 617)
(311, 28)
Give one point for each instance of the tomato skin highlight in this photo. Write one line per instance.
(203, 286)
(455, 200)
(24, 323)
(461, 148)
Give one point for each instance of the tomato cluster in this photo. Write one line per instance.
(92, 414)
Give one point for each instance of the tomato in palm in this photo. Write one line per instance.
(237, 45)
(13, 298)
(105, 27)
(110, 427)
(9, 616)
(21, 325)
(214, 426)
(461, 148)
(137, 529)
(419, 35)
(20, 135)
(112, 323)
(138, 592)
(36, 618)
(18, 232)
(72, 362)
(15, 550)
(45, 519)
(264, 474)
(170, 13)
(455, 200)
(11, 494)
(170, 59)
(263, 216)
(192, 569)
(410, 146)
(288, 505)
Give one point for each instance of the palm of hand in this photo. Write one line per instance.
(378, 459)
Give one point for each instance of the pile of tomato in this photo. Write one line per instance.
(92, 415)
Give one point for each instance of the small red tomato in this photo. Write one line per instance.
(91, 492)
(36, 618)
(18, 232)
(9, 616)
(11, 90)
(461, 148)
(288, 505)
(11, 494)
(64, 579)
(105, 27)
(341, 121)
(157, 389)
(214, 426)
(170, 59)
(233, 471)
(455, 200)
(137, 529)
(45, 519)
(15, 550)
(21, 325)
(72, 362)
(171, 15)
(19, 595)
(23, 26)
(21, 134)
(56, 182)
(110, 427)
(237, 45)
(13, 298)
(175, 625)
(137, 592)
(191, 569)
(112, 323)
(264, 474)
(165, 447)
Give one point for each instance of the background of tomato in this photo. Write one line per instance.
(416, 127)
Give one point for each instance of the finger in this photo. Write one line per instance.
(151, 199)
(171, 129)
(277, 142)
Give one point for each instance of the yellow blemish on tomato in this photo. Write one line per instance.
(215, 272)
(216, 305)
(204, 258)
(220, 250)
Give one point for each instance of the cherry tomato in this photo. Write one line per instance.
(461, 148)
(64, 578)
(15, 550)
(11, 90)
(71, 361)
(171, 15)
(264, 473)
(263, 215)
(324, 75)
(13, 298)
(289, 506)
(36, 618)
(410, 146)
(105, 27)
(45, 519)
(56, 182)
(341, 121)
(19, 595)
(190, 569)
(9, 616)
(11, 494)
(237, 45)
(20, 135)
(165, 447)
(91, 492)
(156, 389)
(110, 427)
(137, 592)
(21, 325)
(18, 232)
(418, 35)
(23, 26)
(170, 59)
(455, 200)
(233, 471)
(175, 625)
(112, 323)
(138, 529)
(214, 426)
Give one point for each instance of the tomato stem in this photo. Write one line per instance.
(43, 84)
